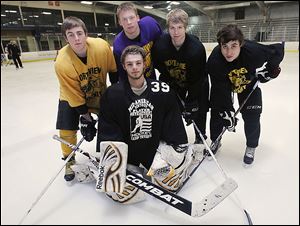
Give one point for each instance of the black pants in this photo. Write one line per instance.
(250, 114)
(200, 119)
(17, 61)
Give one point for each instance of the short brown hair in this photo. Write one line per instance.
(178, 16)
(126, 6)
(133, 49)
(229, 33)
(71, 22)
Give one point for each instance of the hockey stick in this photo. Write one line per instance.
(215, 143)
(51, 181)
(178, 202)
(204, 141)
(212, 154)
(225, 176)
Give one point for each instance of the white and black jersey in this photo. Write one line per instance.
(141, 121)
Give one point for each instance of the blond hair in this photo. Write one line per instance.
(126, 6)
(178, 16)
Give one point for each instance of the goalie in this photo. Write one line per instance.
(140, 124)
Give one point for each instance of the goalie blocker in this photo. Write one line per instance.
(112, 167)
(111, 177)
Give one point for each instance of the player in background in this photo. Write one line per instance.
(181, 59)
(234, 66)
(144, 114)
(142, 32)
(81, 68)
(15, 52)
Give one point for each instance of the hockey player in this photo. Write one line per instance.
(157, 140)
(142, 32)
(234, 67)
(81, 68)
(181, 59)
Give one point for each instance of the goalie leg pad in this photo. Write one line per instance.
(130, 195)
(112, 167)
(171, 166)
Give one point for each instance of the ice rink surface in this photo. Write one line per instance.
(269, 190)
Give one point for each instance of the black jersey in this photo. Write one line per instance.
(239, 75)
(141, 121)
(183, 68)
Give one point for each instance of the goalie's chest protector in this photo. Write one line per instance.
(145, 119)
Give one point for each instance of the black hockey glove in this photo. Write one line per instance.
(265, 74)
(87, 128)
(229, 121)
(191, 111)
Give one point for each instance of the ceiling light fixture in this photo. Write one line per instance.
(46, 13)
(148, 7)
(86, 2)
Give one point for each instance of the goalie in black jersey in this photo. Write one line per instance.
(140, 124)
(234, 66)
(181, 59)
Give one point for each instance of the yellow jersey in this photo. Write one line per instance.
(84, 83)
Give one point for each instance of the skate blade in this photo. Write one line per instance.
(247, 166)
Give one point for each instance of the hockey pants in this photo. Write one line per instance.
(250, 114)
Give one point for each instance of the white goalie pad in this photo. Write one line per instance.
(171, 167)
(112, 167)
(130, 195)
(83, 173)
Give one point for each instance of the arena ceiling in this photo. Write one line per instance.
(193, 8)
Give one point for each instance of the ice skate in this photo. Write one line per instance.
(249, 156)
(69, 173)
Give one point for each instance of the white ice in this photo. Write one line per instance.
(269, 190)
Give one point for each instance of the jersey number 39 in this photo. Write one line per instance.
(156, 87)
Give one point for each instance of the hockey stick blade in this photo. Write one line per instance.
(180, 203)
(214, 198)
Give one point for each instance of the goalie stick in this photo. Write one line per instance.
(211, 152)
(193, 209)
